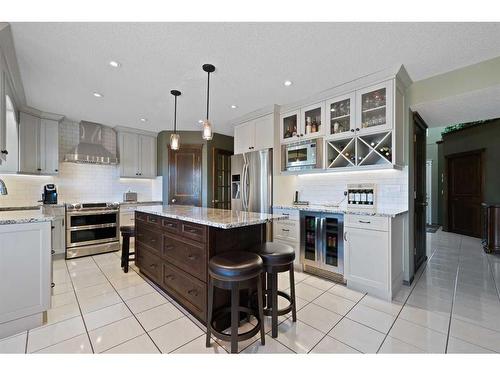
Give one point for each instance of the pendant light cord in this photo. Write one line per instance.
(208, 93)
(175, 115)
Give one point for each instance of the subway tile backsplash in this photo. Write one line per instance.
(79, 182)
(328, 188)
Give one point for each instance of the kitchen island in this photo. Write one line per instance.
(174, 244)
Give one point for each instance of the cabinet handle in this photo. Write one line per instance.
(345, 236)
(154, 265)
(352, 130)
(52, 252)
(5, 152)
(192, 230)
(364, 222)
(169, 247)
(285, 230)
(56, 170)
(193, 292)
(170, 225)
(39, 169)
(52, 285)
(152, 240)
(191, 257)
(170, 277)
(357, 129)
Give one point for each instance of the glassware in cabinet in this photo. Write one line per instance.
(340, 114)
(290, 126)
(312, 120)
(374, 105)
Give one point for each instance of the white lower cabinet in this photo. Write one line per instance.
(373, 259)
(25, 275)
(288, 231)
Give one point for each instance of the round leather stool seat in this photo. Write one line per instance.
(275, 254)
(127, 229)
(235, 266)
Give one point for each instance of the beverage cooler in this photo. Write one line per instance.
(322, 241)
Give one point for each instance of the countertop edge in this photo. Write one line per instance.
(344, 211)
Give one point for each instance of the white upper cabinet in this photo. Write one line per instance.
(147, 152)
(374, 110)
(38, 145)
(49, 146)
(29, 145)
(254, 135)
(307, 122)
(340, 116)
(137, 155)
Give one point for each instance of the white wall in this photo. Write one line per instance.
(79, 182)
(328, 188)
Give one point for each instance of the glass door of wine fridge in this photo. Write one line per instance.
(321, 241)
(309, 238)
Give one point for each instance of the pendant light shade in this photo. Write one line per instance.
(207, 132)
(175, 141)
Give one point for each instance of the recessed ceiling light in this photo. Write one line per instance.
(98, 95)
(114, 64)
(234, 106)
(200, 121)
(144, 119)
(287, 83)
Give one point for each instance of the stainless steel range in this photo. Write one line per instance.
(91, 228)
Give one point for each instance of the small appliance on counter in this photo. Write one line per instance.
(49, 195)
(130, 196)
(297, 202)
(361, 196)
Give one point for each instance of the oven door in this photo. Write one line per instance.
(92, 227)
(301, 155)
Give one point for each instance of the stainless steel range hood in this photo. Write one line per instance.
(90, 149)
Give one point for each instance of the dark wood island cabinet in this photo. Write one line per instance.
(174, 244)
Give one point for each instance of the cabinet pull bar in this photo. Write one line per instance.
(364, 222)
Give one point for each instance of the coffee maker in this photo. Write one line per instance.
(49, 195)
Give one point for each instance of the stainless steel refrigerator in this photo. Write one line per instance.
(252, 181)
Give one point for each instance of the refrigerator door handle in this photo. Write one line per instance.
(323, 240)
(244, 196)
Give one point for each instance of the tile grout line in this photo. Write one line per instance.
(80, 308)
(343, 316)
(453, 297)
(404, 304)
(133, 314)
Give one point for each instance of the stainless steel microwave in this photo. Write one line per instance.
(302, 155)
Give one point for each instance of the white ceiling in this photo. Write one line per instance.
(62, 64)
(471, 106)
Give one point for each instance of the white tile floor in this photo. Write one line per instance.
(452, 307)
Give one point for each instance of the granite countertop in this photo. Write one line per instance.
(386, 212)
(140, 203)
(23, 216)
(212, 217)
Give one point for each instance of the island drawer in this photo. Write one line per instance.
(170, 225)
(149, 263)
(150, 238)
(190, 256)
(194, 231)
(185, 288)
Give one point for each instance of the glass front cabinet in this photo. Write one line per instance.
(374, 108)
(308, 122)
(341, 116)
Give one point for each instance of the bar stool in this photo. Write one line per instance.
(127, 232)
(234, 271)
(277, 258)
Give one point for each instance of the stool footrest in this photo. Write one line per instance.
(241, 336)
(284, 311)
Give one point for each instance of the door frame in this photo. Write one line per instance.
(214, 180)
(446, 182)
(418, 122)
(428, 181)
(198, 146)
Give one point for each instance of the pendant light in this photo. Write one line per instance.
(207, 132)
(174, 137)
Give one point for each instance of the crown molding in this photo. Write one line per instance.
(42, 114)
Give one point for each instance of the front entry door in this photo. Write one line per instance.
(420, 193)
(184, 171)
(465, 192)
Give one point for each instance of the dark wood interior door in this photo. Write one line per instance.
(465, 192)
(221, 169)
(420, 195)
(184, 166)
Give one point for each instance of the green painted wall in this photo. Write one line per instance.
(485, 136)
(192, 137)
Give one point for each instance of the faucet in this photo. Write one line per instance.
(3, 188)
